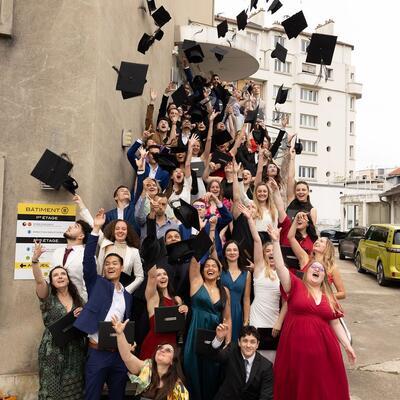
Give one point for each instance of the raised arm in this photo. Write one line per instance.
(195, 278)
(273, 186)
(138, 271)
(281, 270)
(298, 251)
(133, 363)
(151, 286)
(213, 224)
(246, 300)
(291, 181)
(188, 172)
(42, 288)
(238, 141)
(150, 110)
(262, 160)
(207, 148)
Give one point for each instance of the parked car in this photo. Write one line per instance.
(333, 234)
(348, 245)
(379, 252)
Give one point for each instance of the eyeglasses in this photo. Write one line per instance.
(199, 206)
(167, 349)
(317, 267)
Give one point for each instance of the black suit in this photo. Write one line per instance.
(234, 386)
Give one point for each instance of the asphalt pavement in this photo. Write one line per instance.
(372, 314)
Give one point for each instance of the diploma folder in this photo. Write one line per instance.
(168, 319)
(204, 338)
(108, 336)
(267, 341)
(63, 330)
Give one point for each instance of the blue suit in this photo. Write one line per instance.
(101, 366)
(129, 214)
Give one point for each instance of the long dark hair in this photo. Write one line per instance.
(72, 289)
(277, 178)
(173, 375)
(170, 290)
(222, 292)
(241, 261)
(132, 238)
(310, 230)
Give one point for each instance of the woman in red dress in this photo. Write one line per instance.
(309, 364)
(159, 293)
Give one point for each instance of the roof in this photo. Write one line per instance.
(275, 27)
(387, 226)
(395, 190)
(395, 172)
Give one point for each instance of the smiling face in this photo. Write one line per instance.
(232, 252)
(246, 176)
(211, 270)
(268, 251)
(161, 206)
(177, 175)
(163, 126)
(173, 113)
(150, 187)
(196, 148)
(120, 231)
(302, 192)
(248, 345)
(215, 188)
(262, 193)
(201, 126)
(320, 245)
(180, 157)
(201, 208)
(315, 274)
(164, 355)
(59, 278)
(162, 278)
(112, 268)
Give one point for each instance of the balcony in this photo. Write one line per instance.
(239, 63)
(355, 89)
(307, 79)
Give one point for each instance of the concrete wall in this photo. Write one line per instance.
(57, 90)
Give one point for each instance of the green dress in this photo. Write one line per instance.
(61, 370)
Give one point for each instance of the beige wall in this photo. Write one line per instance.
(57, 91)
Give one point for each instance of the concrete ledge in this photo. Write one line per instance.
(24, 386)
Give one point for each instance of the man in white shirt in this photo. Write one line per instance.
(71, 256)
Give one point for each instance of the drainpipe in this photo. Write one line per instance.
(390, 208)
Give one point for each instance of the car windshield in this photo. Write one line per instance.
(396, 237)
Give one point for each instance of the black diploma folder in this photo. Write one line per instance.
(267, 341)
(63, 330)
(204, 339)
(108, 337)
(168, 319)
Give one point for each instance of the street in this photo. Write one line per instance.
(372, 314)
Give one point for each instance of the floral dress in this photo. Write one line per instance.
(143, 380)
(61, 370)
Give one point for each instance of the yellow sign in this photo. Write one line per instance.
(46, 209)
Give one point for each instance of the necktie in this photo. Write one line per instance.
(247, 369)
(66, 254)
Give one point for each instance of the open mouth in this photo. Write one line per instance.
(315, 275)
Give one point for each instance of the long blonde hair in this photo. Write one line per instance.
(328, 257)
(268, 271)
(270, 204)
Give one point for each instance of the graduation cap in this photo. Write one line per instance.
(222, 28)
(241, 234)
(187, 214)
(275, 6)
(282, 95)
(279, 52)
(161, 16)
(219, 53)
(298, 147)
(259, 135)
(152, 251)
(158, 34)
(201, 244)
(218, 157)
(180, 96)
(178, 149)
(166, 161)
(221, 138)
(151, 4)
(295, 24)
(194, 54)
(53, 170)
(321, 49)
(131, 79)
(198, 114)
(253, 4)
(241, 20)
(251, 117)
(145, 43)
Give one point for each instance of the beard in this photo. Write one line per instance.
(68, 236)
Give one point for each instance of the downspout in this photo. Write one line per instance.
(390, 206)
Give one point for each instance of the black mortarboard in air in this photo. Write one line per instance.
(151, 4)
(219, 53)
(282, 95)
(275, 6)
(220, 138)
(131, 79)
(178, 149)
(279, 52)
(222, 28)
(298, 146)
(161, 16)
(194, 54)
(218, 157)
(241, 234)
(166, 161)
(179, 252)
(251, 117)
(241, 20)
(201, 244)
(295, 24)
(321, 49)
(259, 135)
(187, 214)
(152, 251)
(253, 4)
(158, 34)
(53, 170)
(198, 113)
(180, 96)
(145, 43)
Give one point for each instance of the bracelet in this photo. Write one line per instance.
(35, 261)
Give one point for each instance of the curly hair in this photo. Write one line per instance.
(132, 238)
(72, 289)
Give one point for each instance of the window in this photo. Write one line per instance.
(280, 40)
(309, 95)
(309, 146)
(252, 36)
(352, 76)
(276, 88)
(307, 172)
(352, 102)
(308, 121)
(329, 73)
(351, 152)
(351, 127)
(277, 115)
(308, 68)
(304, 45)
(282, 67)
(396, 237)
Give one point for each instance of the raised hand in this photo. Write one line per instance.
(284, 120)
(99, 219)
(170, 89)
(222, 331)
(118, 326)
(78, 201)
(244, 210)
(146, 134)
(153, 95)
(193, 139)
(213, 115)
(38, 250)
(274, 233)
(273, 186)
(213, 221)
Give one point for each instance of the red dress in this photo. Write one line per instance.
(308, 364)
(153, 339)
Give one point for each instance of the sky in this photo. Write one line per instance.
(376, 57)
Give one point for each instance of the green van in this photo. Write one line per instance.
(379, 252)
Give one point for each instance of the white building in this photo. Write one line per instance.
(323, 113)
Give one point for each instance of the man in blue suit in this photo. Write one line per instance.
(106, 297)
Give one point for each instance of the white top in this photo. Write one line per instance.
(264, 311)
(185, 194)
(261, 224)
(152, 172)
(200, 183)
(117, 308)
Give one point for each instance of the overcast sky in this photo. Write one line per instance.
(370, 27)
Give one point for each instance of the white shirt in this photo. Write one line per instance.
(117, 308)
(185, 138)
(153, 171)
(120, 211)
(248, 365)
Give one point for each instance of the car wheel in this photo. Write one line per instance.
(341, 255)
(359, 266)
(380, 275)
